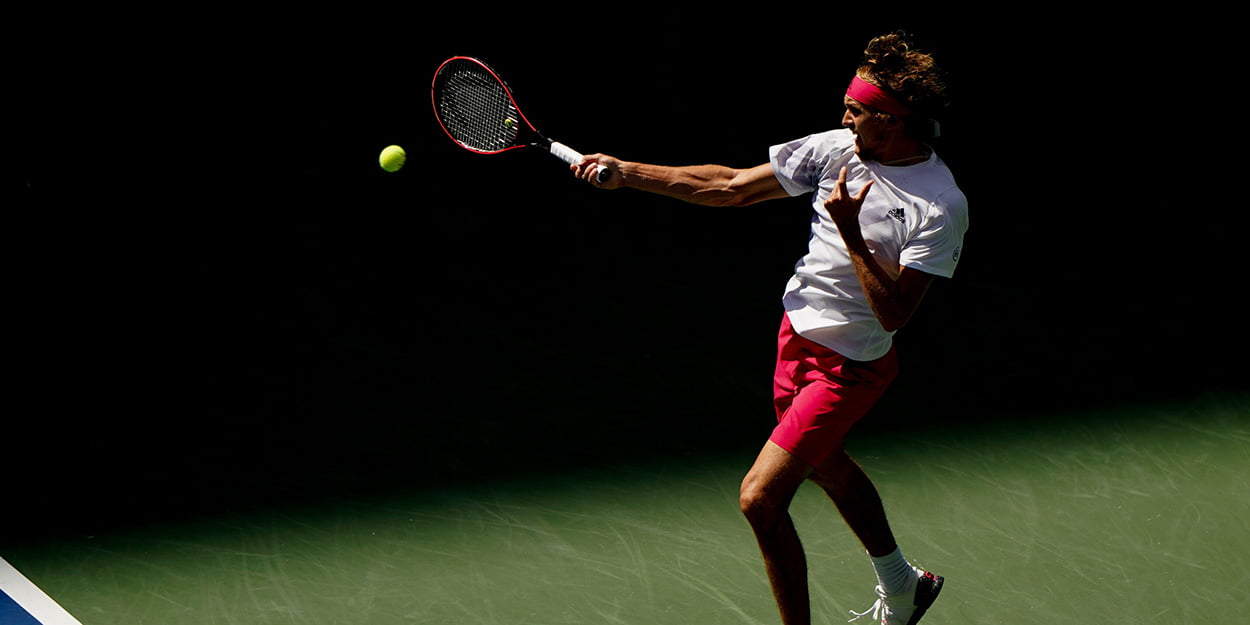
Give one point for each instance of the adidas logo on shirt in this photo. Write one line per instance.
(898, 214)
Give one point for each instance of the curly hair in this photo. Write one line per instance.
(892, 63)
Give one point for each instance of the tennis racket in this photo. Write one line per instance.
(476, 109)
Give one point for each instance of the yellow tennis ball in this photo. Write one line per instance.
(392, 158)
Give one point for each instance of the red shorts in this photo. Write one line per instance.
(819, 394)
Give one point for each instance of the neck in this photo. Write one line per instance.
(908, 160)
(907, 152)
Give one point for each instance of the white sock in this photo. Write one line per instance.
(893, 572)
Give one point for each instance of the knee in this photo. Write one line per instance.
(759, 508)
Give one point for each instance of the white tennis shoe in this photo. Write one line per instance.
(907, 607)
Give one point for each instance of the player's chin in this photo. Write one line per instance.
(864, 152)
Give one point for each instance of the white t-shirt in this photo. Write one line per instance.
(914, 216)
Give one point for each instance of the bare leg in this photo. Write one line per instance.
(857, 499)
(765, 498)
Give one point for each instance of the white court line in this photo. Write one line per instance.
(33, 600)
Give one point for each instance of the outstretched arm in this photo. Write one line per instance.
(709, 185)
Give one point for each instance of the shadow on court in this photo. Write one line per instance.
(1031, 523)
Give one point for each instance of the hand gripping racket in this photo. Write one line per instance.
(476, 109)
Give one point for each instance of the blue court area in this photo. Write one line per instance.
(1129, 516)
(12, 613)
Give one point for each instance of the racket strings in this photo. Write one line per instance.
(476, 110)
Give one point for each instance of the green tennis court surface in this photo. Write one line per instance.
(1129, 516)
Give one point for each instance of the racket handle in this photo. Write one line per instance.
(573, 157)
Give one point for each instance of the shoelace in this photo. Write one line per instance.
(879, 610)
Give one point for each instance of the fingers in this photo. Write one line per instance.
(591, 166)
(840, 191)
(841, 205)
(859, 197)
(584, 170)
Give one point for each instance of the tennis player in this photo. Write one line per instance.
(888, 220)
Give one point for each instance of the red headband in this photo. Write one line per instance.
(867, 93)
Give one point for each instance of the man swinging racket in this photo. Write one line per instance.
(888, 219)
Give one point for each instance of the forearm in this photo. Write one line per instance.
(709, 185)
(882, 290)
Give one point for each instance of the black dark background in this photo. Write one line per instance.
(217, 298)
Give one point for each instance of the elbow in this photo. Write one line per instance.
(894, 319)
(725, 197)
(744, 187)
(894, 310)
(737, 200)
(737, 197)
(893, 325)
